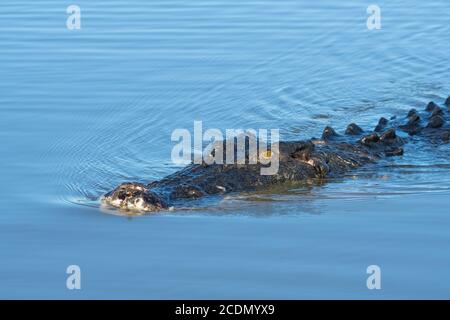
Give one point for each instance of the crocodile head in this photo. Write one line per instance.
(131, 196)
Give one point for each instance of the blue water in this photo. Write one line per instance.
(83, 110)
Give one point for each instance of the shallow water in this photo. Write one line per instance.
(81, 111)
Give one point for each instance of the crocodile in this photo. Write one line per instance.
(330, 156)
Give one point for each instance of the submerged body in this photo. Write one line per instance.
(299, 161)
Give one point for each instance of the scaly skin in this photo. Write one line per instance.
(299, 161)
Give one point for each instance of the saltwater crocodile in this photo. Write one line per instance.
(332, 155)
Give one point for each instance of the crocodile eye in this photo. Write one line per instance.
(266, 154)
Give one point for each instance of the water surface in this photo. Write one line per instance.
(83, 110)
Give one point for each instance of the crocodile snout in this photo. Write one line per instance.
(131, 196)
